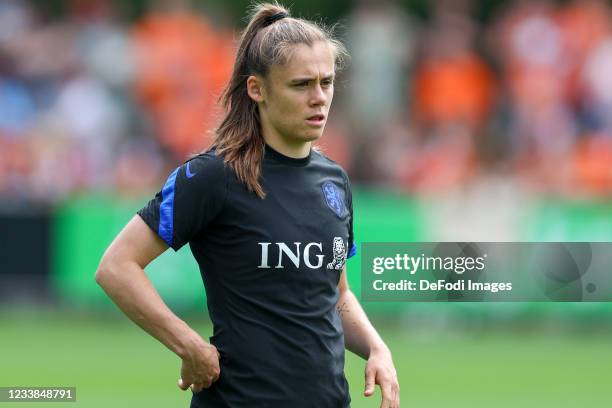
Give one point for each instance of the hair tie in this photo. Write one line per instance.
(275, 17)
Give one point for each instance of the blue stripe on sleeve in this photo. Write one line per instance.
(166, 209)
(353, 251)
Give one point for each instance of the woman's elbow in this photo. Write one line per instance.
(104, 272)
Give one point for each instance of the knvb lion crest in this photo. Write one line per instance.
(339, 255)
(333, 198)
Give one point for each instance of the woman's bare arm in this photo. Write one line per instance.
(121, 275)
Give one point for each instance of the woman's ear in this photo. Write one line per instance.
(255, 88)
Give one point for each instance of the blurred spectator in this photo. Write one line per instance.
(590, 36)
(533, 55)
(452, 84)
(584, 24)
(103, 43)
(381, 40)
(596, 86)
(182, 66)
(454, 95)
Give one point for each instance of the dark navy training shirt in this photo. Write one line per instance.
(271, 269)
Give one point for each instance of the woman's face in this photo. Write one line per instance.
(296, 96)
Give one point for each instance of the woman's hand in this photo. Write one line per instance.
(200, 367)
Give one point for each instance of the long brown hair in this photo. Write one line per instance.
(266, 41)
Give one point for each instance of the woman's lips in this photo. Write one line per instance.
(316, 120)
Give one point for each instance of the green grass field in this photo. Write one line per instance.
(114, 364)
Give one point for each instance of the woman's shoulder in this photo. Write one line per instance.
(206, 166)
(322, 159)
(207, 159)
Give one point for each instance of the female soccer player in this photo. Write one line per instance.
(269, 221)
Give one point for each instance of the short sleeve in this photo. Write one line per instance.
(349, 205)
(191, 198)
